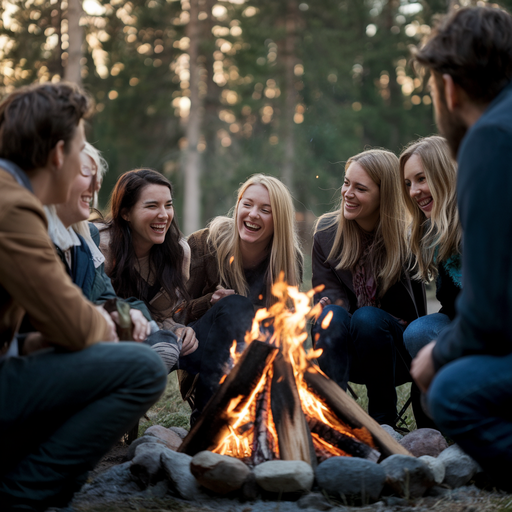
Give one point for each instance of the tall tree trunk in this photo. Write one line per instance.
(73, 69)
(290, 93)
(192, 169)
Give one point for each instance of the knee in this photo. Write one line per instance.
(368, 322)
(236, 306)
(415, 337)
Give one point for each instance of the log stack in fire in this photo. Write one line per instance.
(277, 404)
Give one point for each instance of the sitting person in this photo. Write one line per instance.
(147, 257)
(429, 179)
(245, 254)
(77, 244)
(467, 369)
(359, 256)
(63, 407)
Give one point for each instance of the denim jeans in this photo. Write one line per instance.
(228, 320)
(367, 348)
(60, 412)
(423, 330)
(471, 401)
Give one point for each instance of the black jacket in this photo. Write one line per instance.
(405, 299)
(484, 186)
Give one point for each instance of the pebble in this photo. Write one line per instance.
(284, 476)
(424, 441)
(351, 478)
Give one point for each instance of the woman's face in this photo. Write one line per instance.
(150, 218)
(255, 223)
(77, 207)
(416, 183)
(361, 197)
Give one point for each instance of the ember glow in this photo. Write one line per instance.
(251, 426)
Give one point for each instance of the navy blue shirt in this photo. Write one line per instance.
(483, 324)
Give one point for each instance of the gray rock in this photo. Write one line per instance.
(315, 501)
(142, 440)
(110, 484)
(219, 473)
(182, 432)
(460, 467)
(436, 466)
(168, 436)
(393, 501)
(177, 468)
(407, 476)
(392, 432)
(284, 476)
(250, 490)
(424, 441)
(438, 492)
(351, 477)
(145, 466)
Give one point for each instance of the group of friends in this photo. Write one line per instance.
(67, 394)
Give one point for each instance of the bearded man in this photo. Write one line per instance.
(467, 371)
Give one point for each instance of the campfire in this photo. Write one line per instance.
(275, 403)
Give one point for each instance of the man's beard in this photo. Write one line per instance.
(450, 124)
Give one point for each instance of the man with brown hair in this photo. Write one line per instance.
(63, 407)
(468, 369)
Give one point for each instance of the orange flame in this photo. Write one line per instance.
(231, 260)
(327, 320)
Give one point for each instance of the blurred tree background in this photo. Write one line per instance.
(209, 92)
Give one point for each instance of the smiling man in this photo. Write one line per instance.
(63, 407)
(468, 370)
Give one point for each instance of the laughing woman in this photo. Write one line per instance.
(246, 252)
(147, 257)
(429, 179)
(359, 256)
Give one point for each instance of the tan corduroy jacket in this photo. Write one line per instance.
(33, 279)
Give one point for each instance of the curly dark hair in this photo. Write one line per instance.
(166, 260)
(34, 118)
(474, 46)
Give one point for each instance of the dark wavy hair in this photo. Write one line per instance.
(165, 260)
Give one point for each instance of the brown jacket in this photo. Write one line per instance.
(33, 279)
(405, 299)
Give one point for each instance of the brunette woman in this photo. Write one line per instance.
(245, 252)
(359, 256)
(429, 179)
(147, 257)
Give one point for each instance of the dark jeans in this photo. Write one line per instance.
(228, 320)
(60, 412)
(471, 400)
(367, 348)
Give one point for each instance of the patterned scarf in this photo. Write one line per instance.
(363, 279)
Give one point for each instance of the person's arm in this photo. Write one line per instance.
(33, 275)
(323, 274)
(482, 324)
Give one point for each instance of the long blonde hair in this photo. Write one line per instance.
(389, 250)
(439, 237)
(285, 252)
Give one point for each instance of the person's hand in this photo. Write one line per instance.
(220, 294)
(422, 368)
(189, 340)
(141, 328)
(112, 331)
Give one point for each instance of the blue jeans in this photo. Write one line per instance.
(423, 330)
(366, 347)
(471, 401)
(60, 412)
(228, 320)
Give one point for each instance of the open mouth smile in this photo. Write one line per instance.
(158, 228)
(252, 227)
(425, 203)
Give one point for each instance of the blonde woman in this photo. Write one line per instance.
(359, 256)
(244, 253)
(429, 182)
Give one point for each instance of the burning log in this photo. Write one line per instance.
(264, 446)
(214, 423)
(349, 411)
(292, 430)
(349, 445)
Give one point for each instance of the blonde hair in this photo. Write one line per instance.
(437, 238)
(82, 227)
(389, 250)
(285, 252)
